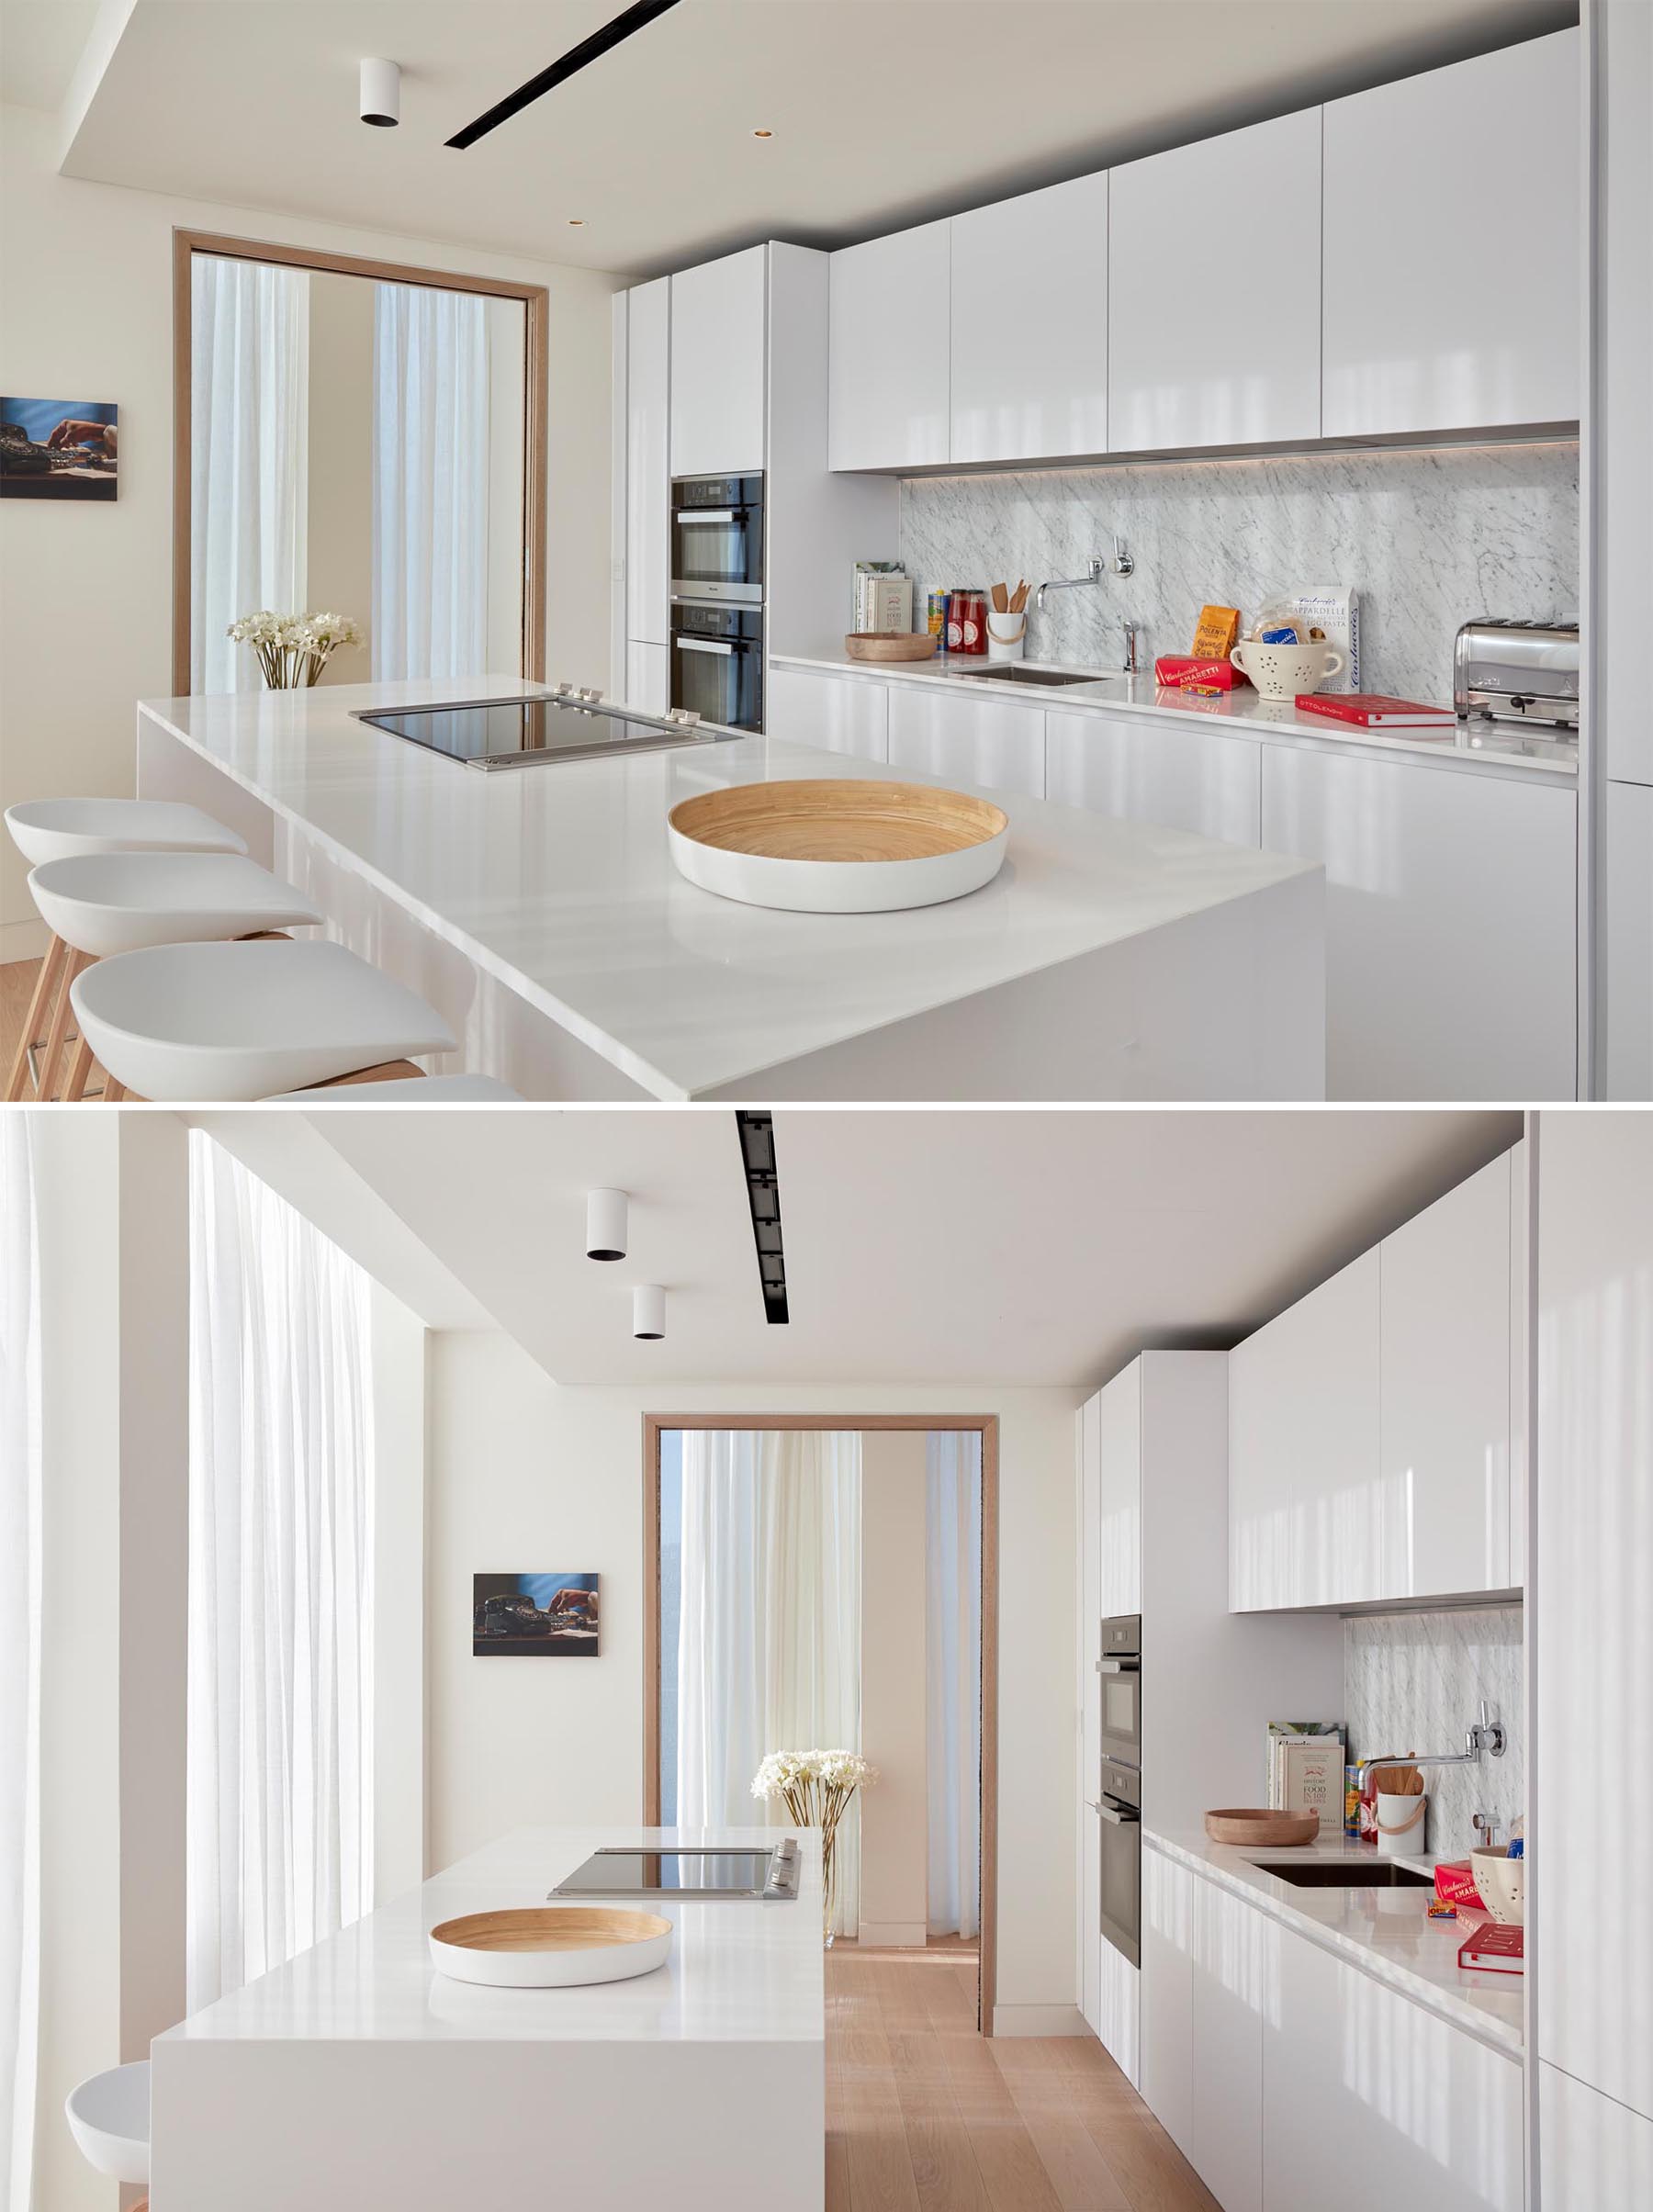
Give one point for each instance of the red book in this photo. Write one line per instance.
(1494, 1948)
(1374, 710)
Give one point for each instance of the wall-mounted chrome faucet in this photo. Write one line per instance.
(1121, 565)
(1485, 1737)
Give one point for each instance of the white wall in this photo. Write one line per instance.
(85, 591)
(524, 1475)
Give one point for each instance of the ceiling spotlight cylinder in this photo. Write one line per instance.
(649, 1311)
(381, 94)
(605, 1225)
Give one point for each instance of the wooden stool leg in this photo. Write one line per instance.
(113, 1092)
(80, 1067)
(39, 1009)
(60, 1025)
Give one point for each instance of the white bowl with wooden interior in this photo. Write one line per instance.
(890, 645)
(1261, 1824)
(550, 1946)
(837, 845)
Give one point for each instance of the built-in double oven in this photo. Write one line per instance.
(1119, 1801)
(717, 599)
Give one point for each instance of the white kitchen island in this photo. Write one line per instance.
(356, 2076)
(539, 910)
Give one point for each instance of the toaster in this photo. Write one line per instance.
(1504, 671)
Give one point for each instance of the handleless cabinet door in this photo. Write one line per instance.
(1090, 1893)
(1235, 1987)
(1444, 1419)
(890, 351)
(1091, 1611)
(1160, 772)
(647, 473)
(1119, 1495)
(992, 742)
(718, 334)
(1170, 1894)
(1030, 325)
(1594, 2153)
(842, 714)
(1198, 353)
(647, 675)
(1451, 246)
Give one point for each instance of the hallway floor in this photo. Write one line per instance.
(923, 2116)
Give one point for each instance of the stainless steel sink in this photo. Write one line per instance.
(1018, 671)
(1339, 1874)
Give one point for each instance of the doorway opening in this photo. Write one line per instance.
(830, 1583)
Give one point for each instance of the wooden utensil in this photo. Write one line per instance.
(1261, 1824)
(1399, 1782)
(1001, 600)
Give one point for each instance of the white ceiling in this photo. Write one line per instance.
(883, 111)
(922, 1247)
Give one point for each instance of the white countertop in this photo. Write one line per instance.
(558, 881)
(739, 1970)
(1386, 1933)
(1244, 711)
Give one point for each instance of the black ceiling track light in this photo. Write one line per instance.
(629, 21)
(763, 1196)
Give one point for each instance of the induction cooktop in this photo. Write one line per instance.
(687, 1871)
(514, 733)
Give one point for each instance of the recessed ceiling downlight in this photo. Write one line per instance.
(763, 134)
(649, 1312)
(381, 94)
(605, 1225)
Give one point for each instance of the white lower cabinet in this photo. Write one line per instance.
(1118, 2010)
(1090, 1890)
(1167, 773)
(987, 741)
(647, 675)
(1450, 923)
(1169, 1896)
(1593, 2153)
(1370, 2100)
(1235, 1987)
(839, 713)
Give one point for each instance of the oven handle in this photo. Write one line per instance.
(1121, 1816)
(709, 514)
(701, 644)
(1118, 1667)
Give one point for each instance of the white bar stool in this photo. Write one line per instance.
(421, 1090)
(109, 2119)
(101, 903)
(240, 1021)
(60, 829)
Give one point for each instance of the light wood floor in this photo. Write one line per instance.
(925, 2115)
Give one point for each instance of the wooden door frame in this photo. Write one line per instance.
(537, 323)
(984, 1425)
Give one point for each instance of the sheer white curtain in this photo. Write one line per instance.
(249, 471)
(953, 1652)
(768, 1636)
(280, 1727)
(430, 482)
(19, 1662)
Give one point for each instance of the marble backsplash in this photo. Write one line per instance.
(1414, 1682)
(1429, 539)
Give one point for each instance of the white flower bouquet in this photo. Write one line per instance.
(293, 649)
(816, 1787)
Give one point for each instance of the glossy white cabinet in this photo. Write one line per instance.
(647, 472)
(1090, 1890)
(1234, 1986)
(717, 366)
(1118, 2008)
(1590, 1577)
(1310, 1522)
(1170, 1894)
(891, 352)
(941, 735)
(1591, 2153)
(1201, 350)
(1371, 2103)
(1087, 1934)
(1450, 923)
(1628, 925)
(647, 675)
(1182, 777)
(1030, 325)
(841, 713)
(1444, 1417)
(1451, 243)
(1119, 1495)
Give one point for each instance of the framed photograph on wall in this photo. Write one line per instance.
(535, 1616)
(59, 449)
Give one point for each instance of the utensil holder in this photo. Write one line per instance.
(1007, 635)
(1401, 1824)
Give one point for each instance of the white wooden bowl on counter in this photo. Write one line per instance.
(550, 1946)
(837, 846)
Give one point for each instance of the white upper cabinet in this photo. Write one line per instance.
(890, 350)
(1451, 246)
(1205, 350)
(717, 366)
(647, 473)
(1119, 1495)
(1030, 325)
(1445, 1423)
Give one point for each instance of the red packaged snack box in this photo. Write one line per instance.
(1455, 1884)
(1179, 672)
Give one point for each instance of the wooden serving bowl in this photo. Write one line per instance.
(550, 1946)
(1258, 1824)
(837, 845)
(889, 644)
